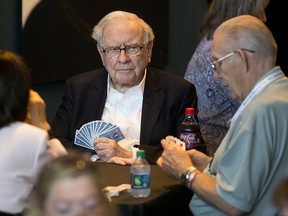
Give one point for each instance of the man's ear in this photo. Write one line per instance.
(100, 50)
(243, 56)
(150, 48)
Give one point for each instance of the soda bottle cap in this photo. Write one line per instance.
(189, 110)
(140, 153)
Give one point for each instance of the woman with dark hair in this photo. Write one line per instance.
(24, 148)
(14, 88)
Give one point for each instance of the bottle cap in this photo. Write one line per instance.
(189, 110)
(140, 153)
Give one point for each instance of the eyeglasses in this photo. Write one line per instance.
(216, 62)
(131, 50)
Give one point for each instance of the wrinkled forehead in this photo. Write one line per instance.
(217, 42)
(221, 41)
(122, 25)
(123, 30)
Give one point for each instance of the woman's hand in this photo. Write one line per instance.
(37, 111)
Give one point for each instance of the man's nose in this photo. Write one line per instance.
(123, 56)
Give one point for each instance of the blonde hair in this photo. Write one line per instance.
(73, 165)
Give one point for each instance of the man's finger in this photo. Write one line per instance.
(159, 161)
(165, 144)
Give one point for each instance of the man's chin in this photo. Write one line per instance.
(125, 82)
(235, 96)
(232, 94)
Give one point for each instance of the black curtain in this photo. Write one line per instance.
(10, 25)
(276, 22)
(57, 41)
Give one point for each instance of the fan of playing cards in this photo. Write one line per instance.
(88, 132)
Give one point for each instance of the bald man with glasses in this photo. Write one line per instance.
(252, 158)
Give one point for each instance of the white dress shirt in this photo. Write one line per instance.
(125, 111)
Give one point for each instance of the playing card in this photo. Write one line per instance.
(114, 133)
(178, 142)
(88, 132)
(82, 141)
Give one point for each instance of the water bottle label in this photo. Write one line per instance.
(140, 181)
(192, 140)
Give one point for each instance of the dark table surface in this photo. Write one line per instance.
(168, 196)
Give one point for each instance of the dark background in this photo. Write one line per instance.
(10, 25)
(276, 20)
(56, 40)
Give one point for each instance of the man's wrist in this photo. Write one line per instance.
(188, 176)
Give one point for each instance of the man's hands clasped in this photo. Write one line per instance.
(110, 151)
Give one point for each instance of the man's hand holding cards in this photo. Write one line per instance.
(172, 139)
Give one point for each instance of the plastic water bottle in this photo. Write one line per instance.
(190, 132)
(140, 176)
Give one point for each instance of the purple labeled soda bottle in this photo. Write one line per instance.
(190, 131)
